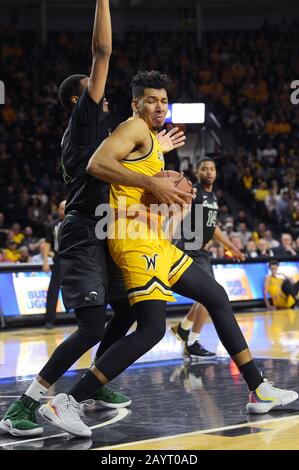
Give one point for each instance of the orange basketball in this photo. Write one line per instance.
(181, 182)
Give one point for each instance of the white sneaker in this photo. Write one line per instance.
(266, 397)
(64, 412)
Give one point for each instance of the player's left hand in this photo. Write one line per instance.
(237, 254)
(171, 140)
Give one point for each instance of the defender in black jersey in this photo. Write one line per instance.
(198, 314)
(82, 256)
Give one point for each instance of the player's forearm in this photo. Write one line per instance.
(45, 249)
(102, 31)
(221, 238)
(112, 171)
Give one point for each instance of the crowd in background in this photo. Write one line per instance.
(243, 77)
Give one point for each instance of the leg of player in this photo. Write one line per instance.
(182, 329)
(193, 348)
(124, 317)
(289, 288)
(195, 284)
(188, 330)
(19, 419)
(151, 320)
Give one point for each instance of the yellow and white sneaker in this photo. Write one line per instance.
(64, 412)
(266, 397)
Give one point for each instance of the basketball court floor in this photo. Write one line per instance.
(176, 404)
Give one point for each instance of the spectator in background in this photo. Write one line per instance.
(220, 252)
(223, 215)
(261, 192)
(31, 241)
(2, 256)
(229, 230)
(17, 236)
(263, 249)
(283, 205)
(287, 247)
(3, 230)
(243, 233)
(247, 179)
(36, 215)
(251, 249)
(24, 255)
(213, 251)
(272, 243)
(260, 232)
(271, 202)
(236, 240)
(242, 217)
(11, 253)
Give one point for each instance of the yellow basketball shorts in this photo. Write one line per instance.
(149, 267)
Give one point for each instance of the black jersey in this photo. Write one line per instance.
(207, 224)
(88, 127)
(51, 237)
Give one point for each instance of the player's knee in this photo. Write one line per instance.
(157, 333)
(219, 297)
(91, 337)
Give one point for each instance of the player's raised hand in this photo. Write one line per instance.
(171, 140)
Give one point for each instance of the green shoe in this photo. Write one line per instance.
(111, 399)
(20, 419)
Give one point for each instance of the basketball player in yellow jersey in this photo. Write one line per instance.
(152, 268)
(282, 291)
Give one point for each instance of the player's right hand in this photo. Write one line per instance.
(46, 267)
(165, 191)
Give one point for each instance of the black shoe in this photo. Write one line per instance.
(49, 326)
(196, 350)
(179, 332)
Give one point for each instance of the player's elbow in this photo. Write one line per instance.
(93, 169)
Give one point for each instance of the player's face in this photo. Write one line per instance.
(152, 107)
(274, 269)
(61, 209)
(206, 173)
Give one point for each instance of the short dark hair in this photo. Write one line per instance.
(71, 86)
(273, 262)
(205, 159)
(148, 79)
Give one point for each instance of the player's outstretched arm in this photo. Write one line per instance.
(221, 238)
(101, 50)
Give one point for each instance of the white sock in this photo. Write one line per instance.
(192, 338)
(186, 324)
(36, 391)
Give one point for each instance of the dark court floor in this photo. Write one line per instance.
(178, 404)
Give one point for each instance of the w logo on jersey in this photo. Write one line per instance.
(150, 261)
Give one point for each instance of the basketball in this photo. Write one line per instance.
(181, 182)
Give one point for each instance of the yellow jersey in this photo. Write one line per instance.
(279, 298)
(149, 263)
(149, 165)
